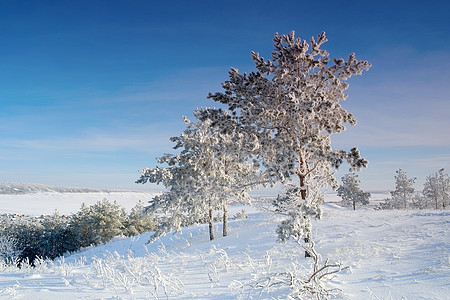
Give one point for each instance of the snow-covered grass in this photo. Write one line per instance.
(389, 255)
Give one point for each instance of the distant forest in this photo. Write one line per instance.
(27, 188)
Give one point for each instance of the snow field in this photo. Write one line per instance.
(390, 255)
(46, 203)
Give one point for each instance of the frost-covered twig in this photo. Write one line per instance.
(300, 285)
(10, 291)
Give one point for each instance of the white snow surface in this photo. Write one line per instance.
(399, 254)
(46, 203)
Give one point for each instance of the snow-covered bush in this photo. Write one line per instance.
(139, 221)
(27, 232)
(26, 238)
(83, 224)
(44, 236)
(350, 192)
(108, 219)
(436, 189)
(402, 196)
(299, 282)
(420, 202)
(99, 223)
(58, 237)
(9, 252)
(240, 215)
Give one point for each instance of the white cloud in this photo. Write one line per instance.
(402, 124)
(98, 142)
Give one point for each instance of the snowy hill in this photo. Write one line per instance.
(389, 255)
(27, 188)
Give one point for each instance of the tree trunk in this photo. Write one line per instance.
(307, 240)
(302, 186)
(225, 219)
(354, 205)
(303, 194)
(211, 224)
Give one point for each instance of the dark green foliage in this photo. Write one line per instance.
(27, 234)
(58, 237)
(83, 225)
(139, 221)
(99, 223)
(27, 237)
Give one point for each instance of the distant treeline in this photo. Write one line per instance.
(27, 188)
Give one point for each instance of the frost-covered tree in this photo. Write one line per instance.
(210, 170)
(108, 219)
(9, 252)
(28, 233)
(139, 221)
(292, 104)
(99, 223)
(404, 190)
(421, 202)
(437, 189)
(25, 238)
(58, 237)
(83, 224)
(350, 192)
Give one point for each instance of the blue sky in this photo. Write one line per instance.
(91, 91)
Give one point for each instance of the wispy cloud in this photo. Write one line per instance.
(395, 135)
(186, 86)
(97, 142)
(401, 101)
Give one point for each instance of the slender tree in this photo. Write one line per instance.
(292, 104)
(437, 188)
(404, 190)
(350, 192)
(211, 169)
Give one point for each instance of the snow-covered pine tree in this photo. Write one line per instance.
(404, 190)
(9, 252)
(350, 192)
(82, 224)
(293, 105)
(57, 238)
(27, 232)
(139, 221)
(98, 223)
(108, 218)
(437, 189)
(210, 170)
